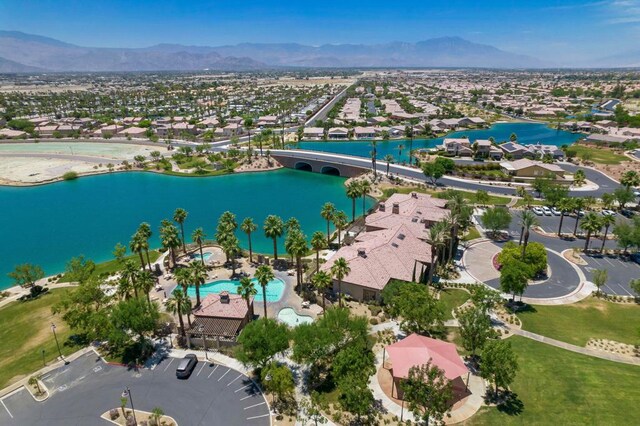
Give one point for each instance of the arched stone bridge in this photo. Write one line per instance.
(300, 160)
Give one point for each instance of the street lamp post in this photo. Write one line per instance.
(44, 363)
(55, 336)
(204, 341)
(125, 393)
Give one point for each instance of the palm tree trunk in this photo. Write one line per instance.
(353, 210)
(604, 239)
(364, 197)
(323, 300)
(181, 321)
(184, 246)
(575, 228)
(201, 255)
(586, 242)
(561, 220)
(189, 319)
(250, 249)
(339, 242)
(264, 299)
(275, 249)
(197, 294)
(317, 260)
(141, 259)
(521, 235)
(432, 268)
(328, 236)
(148, 260)
(340, 293)
(387, 168)
(524, 246)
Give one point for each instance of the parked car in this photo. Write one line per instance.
(556, 211)
(606, 212)
(546, 210)
(627, 213)
(186, 366)
(581, 213)
(537, 210)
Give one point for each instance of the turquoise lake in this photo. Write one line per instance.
(47, 225)
(528, 133)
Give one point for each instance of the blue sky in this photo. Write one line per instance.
(561, 31)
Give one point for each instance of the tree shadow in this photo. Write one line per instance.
(511, 404)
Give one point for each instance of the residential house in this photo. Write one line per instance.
(314, 133)
(514, 150)
(457, 146)
(526, 168)
(338, 133)
(364, 132)
(220, 318)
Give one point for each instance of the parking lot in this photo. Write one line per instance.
(86, 388)
(620, 272)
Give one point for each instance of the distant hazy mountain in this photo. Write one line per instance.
(7, 66)
(54, 55)
(621, 60)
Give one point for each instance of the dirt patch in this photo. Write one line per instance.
(613, 347)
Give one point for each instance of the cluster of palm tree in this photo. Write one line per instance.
(296, 245)
(227, 239)
(355, 189)
(337, 217)
(593, 224)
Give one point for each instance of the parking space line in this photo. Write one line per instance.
(240, 375)
(200, 371)
(248, 396)
(224, 374)
(213, 371)
(5, 407)
(624, 289)
(596, 262)
(609, 262)
(250, 384)
(258, 417)
(255, 405)
(606, 286)
(165, 369)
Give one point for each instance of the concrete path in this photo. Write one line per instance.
(574, 348)
(477, 261)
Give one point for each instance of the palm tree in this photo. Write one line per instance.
(231, 247)
(408, 132)
(340, 221)
(437, 235)
(175, 305)
(565, 205)
(353, 192)
(273, 228)
(146, 281)
(365, 187)
(591, 224)
(170, 239)
(198, 275)
(247, 289)
(317, 244)
(296, 245)
(264, 274)
(327, 212)
(137, 245)
(179, 216)
(630, 178)
(606, 221)
(322, 281)
(198, 236)
(339, 270)
(389, 159)
(248, 226)
(527, 220)
(130, 272)
(578, 205)
(145, 230)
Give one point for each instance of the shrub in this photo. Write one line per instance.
(535, 257)
(373, 321)
(71, 175)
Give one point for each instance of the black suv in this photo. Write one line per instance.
(186, 366)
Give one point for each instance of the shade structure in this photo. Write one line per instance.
(416, 350)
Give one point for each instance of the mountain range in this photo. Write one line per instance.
(20, 52)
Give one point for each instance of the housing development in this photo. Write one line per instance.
(198, 236)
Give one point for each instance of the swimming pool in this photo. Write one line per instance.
(275, 288)
(292, 319)
(205, 256)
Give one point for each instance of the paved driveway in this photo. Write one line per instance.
(619, 272)
(83, 390)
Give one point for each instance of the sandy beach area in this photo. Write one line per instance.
(32, 163)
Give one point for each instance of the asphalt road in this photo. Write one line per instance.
(606, 184)
(86, 388)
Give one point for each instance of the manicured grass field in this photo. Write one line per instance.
(599, 155)
(558, 387)
(451, 299)
(469, 196)
(25, 331)
(112, 266)
(590, 318)
(472, 234)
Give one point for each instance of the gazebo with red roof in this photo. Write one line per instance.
(416, 350)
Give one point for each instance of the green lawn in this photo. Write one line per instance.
(112, 266)
(451, 299)
(559, 387)
(469, 196)
(599, 155)
(472, 234)
(25, 331)
(590, 318)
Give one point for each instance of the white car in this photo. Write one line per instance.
(546, 210)
(556, 211)
(608, 213)
(537, 210)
